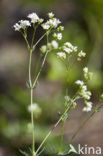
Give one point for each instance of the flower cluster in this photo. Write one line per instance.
(34, 18)
(22, 24)
(81, 54)
(88, 106)
(87, 75)
(66, 49)
(57, 36)
(85, 94)
(51, 23)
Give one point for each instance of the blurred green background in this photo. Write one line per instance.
(83, 21)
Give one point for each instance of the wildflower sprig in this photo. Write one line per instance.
(63, 52)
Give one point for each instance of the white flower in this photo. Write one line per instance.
(75, 48)
(69, 45)
(24, 24)
(88, 107)
(58, 36)
(51, 15)
(45, 26)
(68, 50)
(54, 44)
(61, 55)
(17, 27)
(43, 49)
(33, 107)
(60, 28)
(85, 70)
(40, 20)
(54, 22)
(67, 98)
(80, 55)
(79, 82)
(51, 23)
(34, 17)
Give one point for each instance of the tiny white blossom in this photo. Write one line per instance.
(88, 107)
(58, 36)
(84, 88)
(79, 82)
(40, 20)
(24, 24)
(69, 45)
(61, 55)
(68, 50)
(51, 15)
(34, 17)
(80, 55)
(60, 28)
(54, 44)
(45, 26)
(85, 70)
(17, 27)
(43, 48)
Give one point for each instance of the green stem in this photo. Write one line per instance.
(42, 65)
(30, 59)
(62, 133)
(32, 122)
(33, 35)
(39, 40)
(49, 133)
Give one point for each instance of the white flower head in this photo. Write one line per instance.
(17, 27)
(54, 44)
(61, 55)
(79, 82)
(43, 48)
(58, 36)
(24, 24)
(34, 17)
(45, 26)
(60, 28)
(40, 20)
(69, 45)
(51, 15)
(88, 107)
(80, 55)
(67, 50)
(85, 70)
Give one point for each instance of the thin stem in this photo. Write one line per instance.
(30, 58)
(32, 122)
(42, 65)
(33, 35)
(62, 132)
(39, 40)
(84, 123)
(49, 133)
